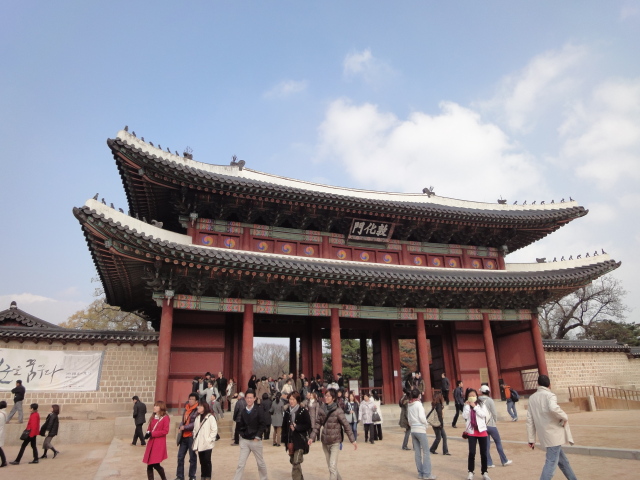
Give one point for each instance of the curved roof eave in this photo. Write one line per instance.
(233, 175)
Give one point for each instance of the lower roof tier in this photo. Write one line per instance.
(135, 260)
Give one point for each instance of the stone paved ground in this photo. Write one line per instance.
(384, 460)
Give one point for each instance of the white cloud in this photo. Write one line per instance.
(628, 11)
(286, 88)
(367, 67)
(543, 82)
(455, 151)
(601, 136)
(48, 309)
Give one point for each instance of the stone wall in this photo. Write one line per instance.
(127, 370)
(606, 369)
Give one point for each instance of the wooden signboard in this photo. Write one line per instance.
(484, 376)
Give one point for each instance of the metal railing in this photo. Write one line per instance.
(584, 391)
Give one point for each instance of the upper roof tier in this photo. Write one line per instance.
(158, 184)
(133, 257)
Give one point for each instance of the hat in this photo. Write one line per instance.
(485, 389)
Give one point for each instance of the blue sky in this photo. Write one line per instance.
(524, 100)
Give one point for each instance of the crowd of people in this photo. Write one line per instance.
(301, 412)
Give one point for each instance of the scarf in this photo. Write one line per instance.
(185, 419)
(292, 412)
(473, 422)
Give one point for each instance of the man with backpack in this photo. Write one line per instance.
(512, 397)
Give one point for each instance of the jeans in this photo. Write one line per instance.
(556, 458)
(440, 433)
(247, 447)
(205, 463)
(458, 411)
(354, 429)
(511, 409)
(331, 454)
(17, 408)
(407, 434)
(493, 433)
(422, 454)
(471, 464)
(185, 446)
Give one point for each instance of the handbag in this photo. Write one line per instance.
(349, 417)
(376, 417)
(25, 435)
(434, 421)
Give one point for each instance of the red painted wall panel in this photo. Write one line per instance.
(178, 393)
(516, 350)
(472, 360)
(195, 363)
(198, 338)
(468, 341)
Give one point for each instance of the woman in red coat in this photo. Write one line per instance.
(34, 428)
(156, 437)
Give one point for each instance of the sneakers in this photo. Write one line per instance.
(507, 463)
(485, 476)
(470, 476)
(491, 466)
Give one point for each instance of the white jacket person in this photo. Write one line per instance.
(204, 433)
(546, 418)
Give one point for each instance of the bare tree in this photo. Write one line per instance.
(102, 316)
(577, 312)
(270, 360)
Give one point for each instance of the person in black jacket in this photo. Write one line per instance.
(296, 424)
(252, 425)
(50, 425)
(18, 397)
(139, 418)
(437, 404)
(458, 398)
(445, 387)
(222, 389)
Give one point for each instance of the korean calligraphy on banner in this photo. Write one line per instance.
(369, 230)
(55, 370)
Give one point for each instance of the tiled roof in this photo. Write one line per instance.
(13, 313)
(66, 335)
(122, 264)
(345, 270)
(175, 171)
(584, 345)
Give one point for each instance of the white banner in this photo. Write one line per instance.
(50, 370)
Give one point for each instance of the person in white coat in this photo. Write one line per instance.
(3, 422)
(205, 430)
(475, 414)
(546, 419)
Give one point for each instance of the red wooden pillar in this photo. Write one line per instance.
(423, 351)
(385, 363)
(396, 392)
(336, 345)
(247, 346)
(537, 345)
(316, 342)
(448, 357)
(305, 352)
(293, 357)
(491, 356)
(164, 350)
(364, 363)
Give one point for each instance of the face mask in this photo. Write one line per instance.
(473, 399)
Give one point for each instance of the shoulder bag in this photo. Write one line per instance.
(433, 420)
(375, 416)
(25, 434)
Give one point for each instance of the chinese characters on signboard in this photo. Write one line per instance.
(42, 370)
(370, 230)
